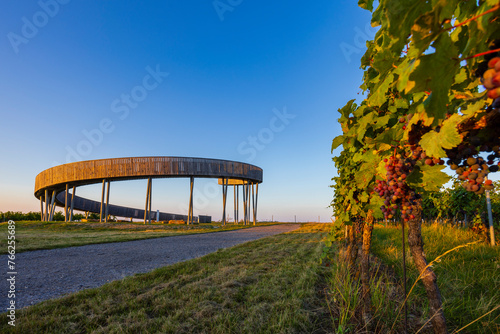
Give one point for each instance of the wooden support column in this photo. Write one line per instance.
(244, 203)
(102, 199)
(190, 210)
(238, 204)
(41, 208)
(107, 202)
(52, 205)
(250, 197)
(72, 203)
(224, 197)
(254, 203)
(255, 206)
(66, 203)
(147, 201)
(150, 199)
(52, 212)
(46, 198)
(234, 202)
(248, 203)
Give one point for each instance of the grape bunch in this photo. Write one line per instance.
(491, 79)
(415, 134)
(473, 169)
(479, 153)
(489, 72)
(394, 190)
(474, 172)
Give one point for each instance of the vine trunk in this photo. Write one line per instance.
(365, 267)
(428, 276)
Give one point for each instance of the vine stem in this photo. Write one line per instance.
(480, 54)
(474, 18)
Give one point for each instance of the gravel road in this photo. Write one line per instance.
(47, 274)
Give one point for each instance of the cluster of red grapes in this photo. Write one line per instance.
(394, 190)
(474, 173)
(489, 72)
(416, 132)
(491, 78)
(480, 137)
(472, 168)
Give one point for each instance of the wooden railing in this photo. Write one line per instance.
(94, 171)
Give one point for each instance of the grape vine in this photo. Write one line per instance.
(432, 84)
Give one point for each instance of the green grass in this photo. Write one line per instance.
(469, 277)
(272, 285)
(345, 294)
(48, 235)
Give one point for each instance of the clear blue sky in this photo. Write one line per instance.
(223, 71)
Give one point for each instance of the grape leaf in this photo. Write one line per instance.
(337, 141)
(461, 76)
(474, 107)
(365, 176)
(364, 197)
(363, 125)
(360, 111)
(414, 179)
(424, 31)
(343, 217)
(383, 60)
(433, 177)
(391, 136)
(346, 110)
(445, 9)
(379, 96)
(436, 73)
(366, 4)
(375, 203)
(427, 178)
(382, 121)
(404, 70)
(483, 21)
(448, 137)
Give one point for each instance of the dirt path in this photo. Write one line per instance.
(47, 274)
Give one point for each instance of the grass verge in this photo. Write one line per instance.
(49, 235)
(344, 297)
(272, 285)
(468, 277)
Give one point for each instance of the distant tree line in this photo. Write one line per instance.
(35, 216)
(456, 205)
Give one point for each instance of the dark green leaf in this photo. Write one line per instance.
(366, 4)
